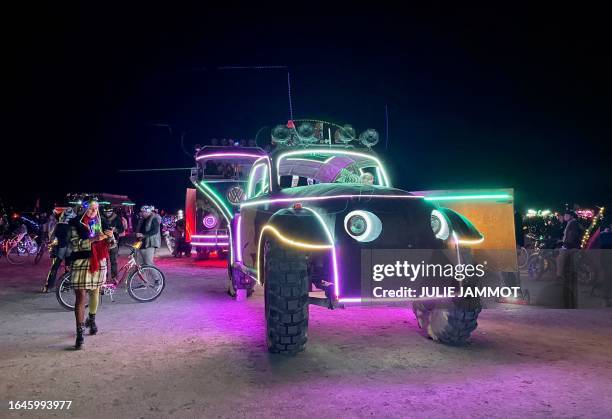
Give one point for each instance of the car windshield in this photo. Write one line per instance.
(308, 167)
(226, 168)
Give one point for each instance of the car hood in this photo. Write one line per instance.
(331, 189)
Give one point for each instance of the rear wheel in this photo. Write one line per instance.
(449, 322)
(17, 254)
(286, 284)
(64, 293)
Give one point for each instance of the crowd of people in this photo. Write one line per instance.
(565, 231)
(86, 240)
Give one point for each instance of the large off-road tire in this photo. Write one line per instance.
(449, 322)
(286, 284)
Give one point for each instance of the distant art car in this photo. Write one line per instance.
(306, 213)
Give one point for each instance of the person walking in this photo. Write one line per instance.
(59, 247)
(111, 221)
(89, 245)
(149, 227)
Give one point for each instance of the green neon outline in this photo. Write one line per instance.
(202, 187)
(210, 194)
(252, 176)
(385, 178)
(470, 197)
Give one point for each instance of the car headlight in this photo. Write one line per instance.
(439, 225)
(210, 221)
(363, 226)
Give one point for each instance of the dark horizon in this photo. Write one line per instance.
(477, 98)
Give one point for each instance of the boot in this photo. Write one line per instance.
(80, 337)
(91, 323)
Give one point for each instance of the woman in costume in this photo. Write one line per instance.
(89, 246)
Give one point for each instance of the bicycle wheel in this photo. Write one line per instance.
(146, 284)
(64, 293)
(17, 255)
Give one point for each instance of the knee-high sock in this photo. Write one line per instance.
(94, 299)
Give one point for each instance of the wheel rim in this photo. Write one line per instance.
(146, 284)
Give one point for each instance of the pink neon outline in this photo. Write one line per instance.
(349, 300)
(209, 244)
(322, 198)
(205, 156)
(207, 236)
(238, 240)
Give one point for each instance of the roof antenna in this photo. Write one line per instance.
(289, 94)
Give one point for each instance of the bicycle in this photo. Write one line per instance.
(140, 279)
(16, 249)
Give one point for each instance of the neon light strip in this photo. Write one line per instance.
(210, 244)
(349, 300)
(287, 241)
(253, 176)
(210, 156)
(322, 198)
(327, 151)
(333, 250)
(206, 236)
(460, 197)
(239, 239)
(468, 242)
(253, 169)
(203, 188)
(218, 200)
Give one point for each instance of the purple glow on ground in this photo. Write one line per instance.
(209, 244)
(205, 356)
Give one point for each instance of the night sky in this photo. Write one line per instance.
(476, 97)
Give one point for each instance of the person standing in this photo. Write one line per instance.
(59, 247)
(89, 245)
(148, 230)
(566, 271)
(111, 221)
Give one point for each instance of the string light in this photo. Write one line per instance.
(587, 233)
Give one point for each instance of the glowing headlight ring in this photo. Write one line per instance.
(373, 226)
(444, 231)
(209, 221)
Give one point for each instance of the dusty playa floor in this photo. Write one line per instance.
(196, 353)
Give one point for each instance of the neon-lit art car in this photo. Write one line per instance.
(220, 179)
(310, 207)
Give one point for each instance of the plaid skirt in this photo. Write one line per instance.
(82, 279)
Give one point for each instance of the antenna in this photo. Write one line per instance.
(266, 67)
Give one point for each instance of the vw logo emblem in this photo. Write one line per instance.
(235, 195)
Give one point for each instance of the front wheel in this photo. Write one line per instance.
(63, 292)
(146, 284)
(449, 322)
(286, 285)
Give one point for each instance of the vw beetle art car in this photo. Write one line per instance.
(311, 207)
